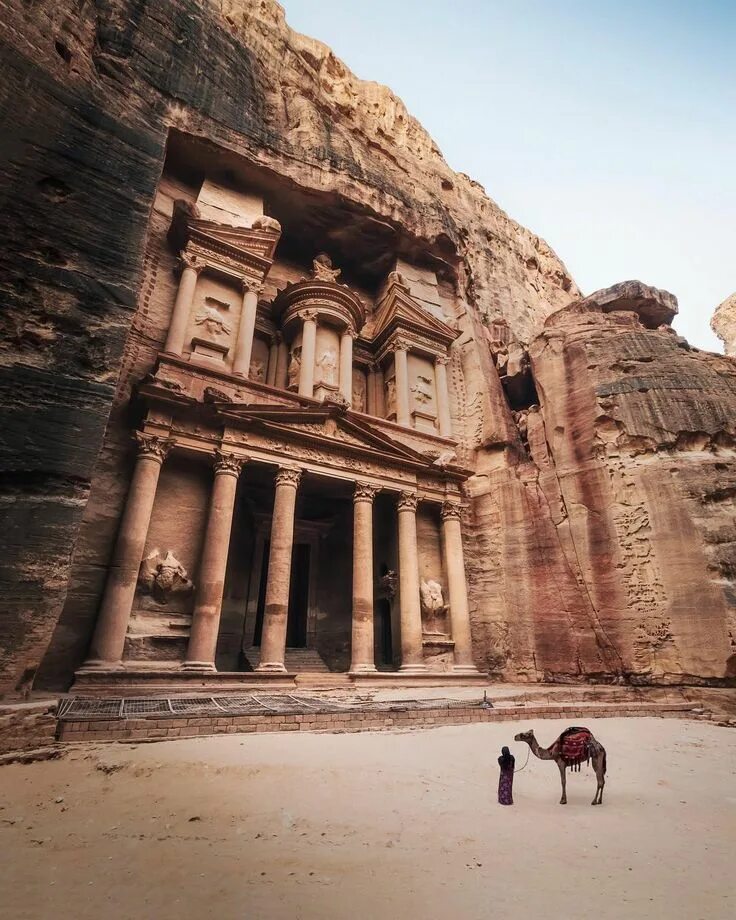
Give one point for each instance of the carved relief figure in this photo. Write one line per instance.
(433, 607)
(422, 390)
(327, 364)
(358, 392)
(391, 396)
(257, 371)
(213, 322)
(295, 367)
(162, 576)
(322, 268)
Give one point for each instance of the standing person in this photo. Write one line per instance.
(506, 780)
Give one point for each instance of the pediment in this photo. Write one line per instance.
(398, 308)
(326, 426)
(260, 243)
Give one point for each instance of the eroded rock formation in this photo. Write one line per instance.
(723, 324)
(602, 516)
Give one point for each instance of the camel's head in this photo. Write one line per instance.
(525, 736)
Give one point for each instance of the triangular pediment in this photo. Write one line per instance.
(337, 428)
(260, 243)
(398, 308)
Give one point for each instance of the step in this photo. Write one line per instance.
(296, 660)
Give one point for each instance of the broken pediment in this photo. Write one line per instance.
(398, 310)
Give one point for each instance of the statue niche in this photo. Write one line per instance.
(295, 367)
(434, 608)
(163, 576)
(327, 364)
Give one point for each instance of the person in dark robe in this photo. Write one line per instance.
(506, 780)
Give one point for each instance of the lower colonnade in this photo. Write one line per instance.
(108, 643)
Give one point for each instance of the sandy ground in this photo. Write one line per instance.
(374, 825)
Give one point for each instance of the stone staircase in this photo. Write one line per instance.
(297, 660)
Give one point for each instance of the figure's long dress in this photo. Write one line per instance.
(506, 784)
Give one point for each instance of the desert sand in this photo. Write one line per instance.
(307, 826)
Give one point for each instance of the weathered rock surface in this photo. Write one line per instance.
(603, 513)
(723, 324)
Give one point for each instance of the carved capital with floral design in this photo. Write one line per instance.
(408, 501)
(227, 464)
(308, 316)
(288, 476)
(188, 260)
(451, 511)
(251, 286)
(441, 359)
(364, 492)
(350, 330)
(152, 446)
(400, 344)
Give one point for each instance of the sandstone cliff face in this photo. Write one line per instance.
(723, 324)
(587, 552)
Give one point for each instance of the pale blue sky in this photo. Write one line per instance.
(608, 128)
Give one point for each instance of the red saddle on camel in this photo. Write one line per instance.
(573, 746)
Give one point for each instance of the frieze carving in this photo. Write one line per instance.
(228, 464)
(322, 269)
(212, 322)
(408, 501)
(162, 576)
(365, 492)
(288, 476)
(153, 446)
(434, 607)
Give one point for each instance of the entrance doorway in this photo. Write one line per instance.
(296, 626)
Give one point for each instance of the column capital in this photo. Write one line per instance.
(288, 476)
(400, 344)
(308, 315)
(442, 359)
(364, 492)
(277, 338)
(250, 285)
(349, 330)
(188, 260)
(451, 511)
(152, 446)
(408, 501)
(228, 464)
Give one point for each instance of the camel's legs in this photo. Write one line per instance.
(563, 779)
(601, 778)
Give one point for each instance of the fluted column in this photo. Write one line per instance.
(362, 657)
(208, 601)
(246, 329)
(273, 359)
(108, 641)
(443, 395)
(346, 365)
(276, 608)
(401, 366)
(191, 268)
(452, 545)
(412, 658)
(309, 349)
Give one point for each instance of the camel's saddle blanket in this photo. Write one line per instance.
(574, 746)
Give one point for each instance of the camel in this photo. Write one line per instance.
(593, 750)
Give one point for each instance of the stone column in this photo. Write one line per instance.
(362, 658)
(246, 329)
(380, 392)
(282, 364)
(346, 365)
(208, 601)
(309, 349)
(108, 641)
(403, 410)
(412, 659)
(443, 395)
(273, 359)
(191, 268)
(276, 608)
(452, 546)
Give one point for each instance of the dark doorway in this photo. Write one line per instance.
(382, 634)
(296, 628)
